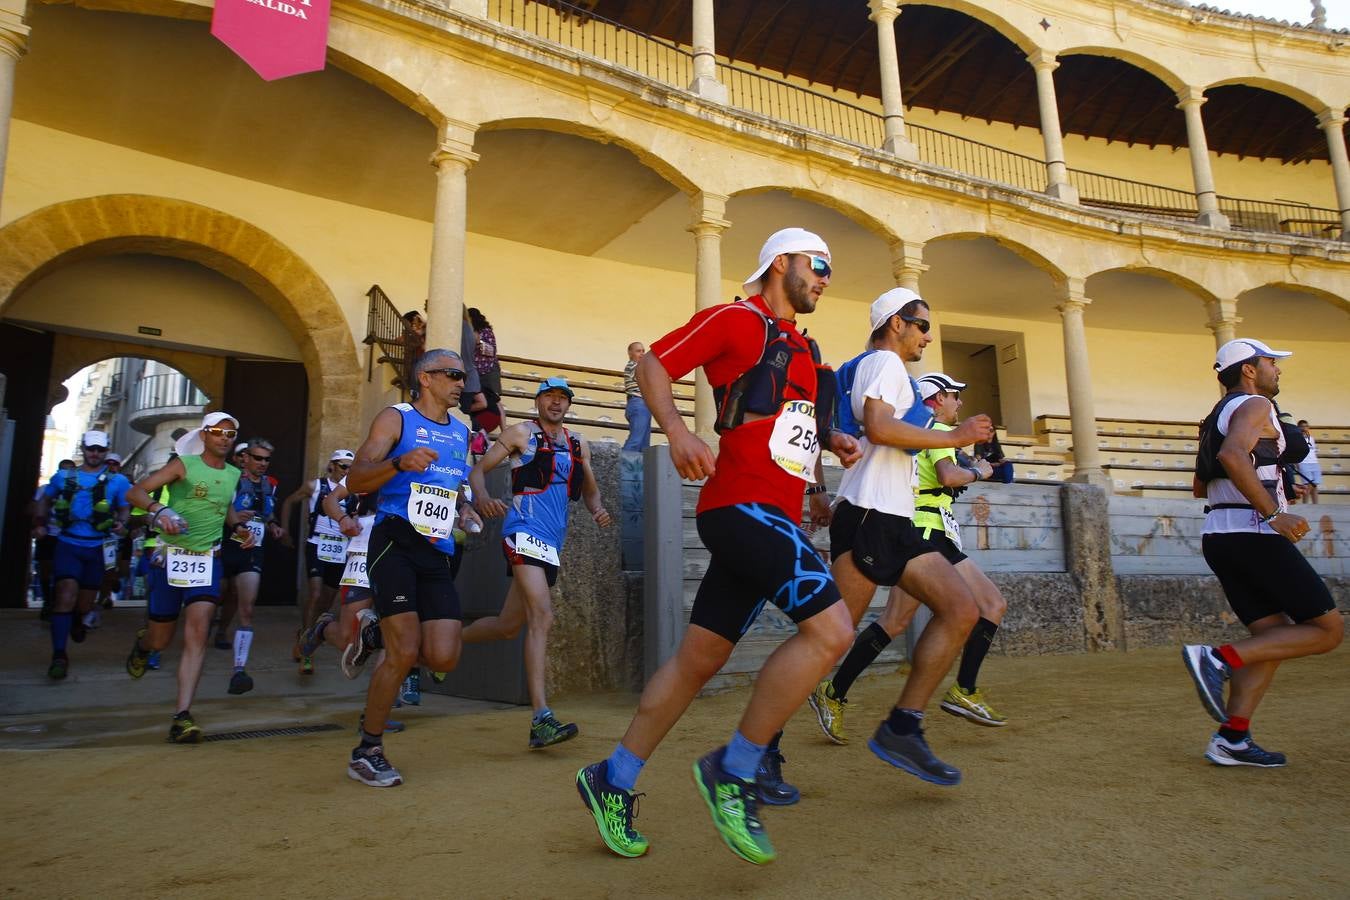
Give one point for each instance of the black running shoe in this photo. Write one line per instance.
(240, 683)
(910, 752)
(1209, 674)
(549, 731)
(1243, 753)
(773, 790)
(59, 668)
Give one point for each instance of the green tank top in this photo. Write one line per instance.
(927, 506)
(203, 498)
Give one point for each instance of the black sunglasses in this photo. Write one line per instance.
(343, 466)
(261, 458)
(96, 449)
(922, 324)
(452, 374)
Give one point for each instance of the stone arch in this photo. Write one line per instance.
(855, 214)
(1333, 299)
(1313, 103)
(1024, 41)
(1201, 293)
(1026, 252)
(56, 235)
(1174, 82)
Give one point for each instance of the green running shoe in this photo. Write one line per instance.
(734, 805)
(137, 659)
(185, 731)
(613, 810)
(549, 731)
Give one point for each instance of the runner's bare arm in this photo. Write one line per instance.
(949, 474)
(883, 427)
(140, 492)
(371, 469)
(590, 489)
(511, 441)
(332, 508)
(693, 459)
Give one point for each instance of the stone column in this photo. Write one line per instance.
(13, 43)
(1206, 199)
(709, 221)
(1056, 171)
(1223, 320)
(1087, 466)
(1333, 123)
(906, 267)
(445, 292)
(705, 82)
(884, 13)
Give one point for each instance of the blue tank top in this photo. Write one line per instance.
(542, 514)
(427, 499)
(259, 496)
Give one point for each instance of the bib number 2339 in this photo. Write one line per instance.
(187, 569)
(793, 444)
(431, 510)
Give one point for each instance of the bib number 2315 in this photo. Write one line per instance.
(431, 510)
(187, 569)
(793, 444)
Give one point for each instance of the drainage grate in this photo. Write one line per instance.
(271, 732)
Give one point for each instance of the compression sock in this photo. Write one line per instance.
(369, 740)
(1229, 656)
(623, 768)
(866, 649)
(905, 721)
(61, 624)
(742, 757)
(977, 645)
(243, 640)
(1236, 729)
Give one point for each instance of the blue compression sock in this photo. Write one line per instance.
(61, 624)
(624, 767)
(742, 757)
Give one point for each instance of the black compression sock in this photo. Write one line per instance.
(369, 740)
(905, 721)
(865, 650)
(977, 645)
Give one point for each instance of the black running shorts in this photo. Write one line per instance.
(882, 544)
(1265, 575)
(407, 574)
(943, 544)
(330, 572)
(758, 555)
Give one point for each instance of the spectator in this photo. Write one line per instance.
(636, 412)
(472, 400)
(414, 339)
(1310, 470)
(991, 451)
(489, 371)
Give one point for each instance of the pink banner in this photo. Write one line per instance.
(276, 38)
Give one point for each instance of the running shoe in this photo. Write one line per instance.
(152, 660)
(773, 790)
(613, 809)
(78, 631)
(185, 731)
(240, 683)
(93, 619)
(549, 731)
(59, 668)
(734, 806)
(1209, 673)
(370, 767)
(910, 752)
(368, 640)
(312, 637)
(439, 677)
(1244, 753)
(411, 692)
(829, 711)
(137, 658)
(971, 705)
(390, 726)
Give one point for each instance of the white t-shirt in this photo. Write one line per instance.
(1221, 490)
(323, 525)
(884, 479)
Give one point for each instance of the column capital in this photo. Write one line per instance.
(1072, 296)
(883, 10)
(455, 144)
(709, 213)
(1222, 314)
(13, 36)
(907, 263)
(1191, 96)
(1329, 119)
(1041, 59)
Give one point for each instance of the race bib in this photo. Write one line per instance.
(793, 444)
(331, 549)
(431, 510)
(259, 530)
(531, 546)
(110, 554)
(354, 575)
(187, 569)
(949, 526)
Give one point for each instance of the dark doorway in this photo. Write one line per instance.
(26, 361)
(271, 400)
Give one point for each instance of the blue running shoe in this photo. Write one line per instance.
(1209, 673)
(1243, 753)
(910, 752)
(411, 693)
(152, 660)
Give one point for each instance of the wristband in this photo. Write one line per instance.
(1265, 520)
(815, 489)
(396, 460)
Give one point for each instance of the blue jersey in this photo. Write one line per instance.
(427, 499)
(78, 488)
(541, 511)
(257, 496)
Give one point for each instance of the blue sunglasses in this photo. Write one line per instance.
(820, 267)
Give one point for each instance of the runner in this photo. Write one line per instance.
(1248, 541)
(416, 457)
(326, 549)
(873, 538)
(549, 467)
(943, 474)
(765, 379)
(185, 573)
(255, 502)
(86, 509)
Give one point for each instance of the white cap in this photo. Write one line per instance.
(935, 383)
(191, 444)
(890, 303)
(342, 456)
(240, 447)
(94, 439)
(113, 458)
(789, 240)
(1243, 349)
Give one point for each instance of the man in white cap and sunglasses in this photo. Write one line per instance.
(1248, 540)
(86, 509)
(767, 383)
(550, 468)
(185, 571)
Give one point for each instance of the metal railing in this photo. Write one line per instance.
(386, 329)
(653, 57)
(167, 389)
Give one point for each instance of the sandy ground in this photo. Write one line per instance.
(1098, 788)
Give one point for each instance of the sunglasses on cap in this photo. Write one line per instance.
(820, 267)
(922, 324)
(217, 431)
(452, 374)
